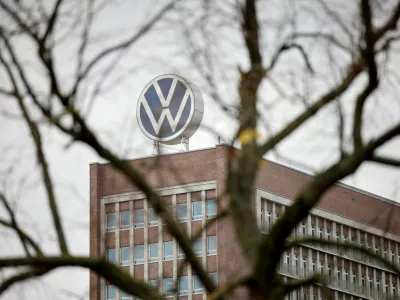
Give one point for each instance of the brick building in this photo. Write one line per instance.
(125, 229)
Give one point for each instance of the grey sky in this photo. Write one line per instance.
(112, 115)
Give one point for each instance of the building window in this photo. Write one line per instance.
(154, 283)
(181, 254)
(111, 255)
(321, 267)
(153, 218)
(211, 245)
(168, 250)
(313, 266)
(287, 258)
(139, 218)
(125, 296)
(183, 286)
(269, 214)
(182, 212)
(378, 284)
(214, 278)
(139, 254)
(328, 234)
(168, 286)
(125, 256)
(304, 263)
(170, 210)
(312, 230)
(394, 289)
(303, 228)
(211, 208)
(370, 282)
(320, 232)
(111, 292)
(153, 252)
(198, 247)
(110, 221)
(392, 256)
(125, 220)
(197, 285)
(197, 212)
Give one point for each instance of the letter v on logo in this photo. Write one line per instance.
(166, 113)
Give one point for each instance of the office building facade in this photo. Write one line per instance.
(125, 229)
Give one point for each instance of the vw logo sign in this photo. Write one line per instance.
(169, 109)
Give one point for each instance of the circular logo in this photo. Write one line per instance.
(169, 108)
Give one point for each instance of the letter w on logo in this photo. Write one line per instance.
(173, 122)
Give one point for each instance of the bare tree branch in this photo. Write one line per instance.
(51, 22)
(313, 279)
(13, 224)
(20, 277)
(369, 57)
(228, 287)
(35, 134)
(353, 71)
(288, 46)
(109, 271)
(25, 237)
(120, 46)
(385, 160)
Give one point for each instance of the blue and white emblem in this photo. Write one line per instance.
(169, 109)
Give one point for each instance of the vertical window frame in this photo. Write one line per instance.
(197, 286)
(139, 261)
(168, 292)
(182, 219)
(139, 224)
(183, 289)
(153, 259)
(211, 252)
(108, 287)
(108, 251)
(124, 250)
(111, 228)
(167, 257)
(197, 215)
(153, 218)
(211, 215)
(124, 226)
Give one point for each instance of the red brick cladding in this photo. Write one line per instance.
(170, 170)
(366, 209)
(95, 183)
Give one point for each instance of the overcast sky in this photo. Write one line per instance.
(112, 116)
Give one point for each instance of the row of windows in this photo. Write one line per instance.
(343, 233)
(341, 277)
(168, 286)
(125, 253)
(181, 213)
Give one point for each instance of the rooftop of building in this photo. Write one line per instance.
(341, 184)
